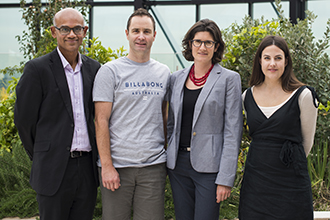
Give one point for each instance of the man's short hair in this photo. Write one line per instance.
(141, 12)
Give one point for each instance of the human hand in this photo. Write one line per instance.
(110, 178)
(223, 192)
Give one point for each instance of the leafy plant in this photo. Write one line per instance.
(319, 160)
(3, 93)
(8, 132)
(11, 70)
(309, 57)
(92, 48)
(323, 125)
(96, 51)
(319, 172)
(242, 43)
(38, 19)
(17, 198)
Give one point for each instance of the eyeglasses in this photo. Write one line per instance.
(65, 30)
(207, 43)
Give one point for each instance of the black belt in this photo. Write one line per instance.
(76, 154)
(187, 149)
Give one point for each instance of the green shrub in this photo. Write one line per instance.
(17, 198)
(323, 125)
(310, 60)
(38, 19)
(319, 161)
(8, 132)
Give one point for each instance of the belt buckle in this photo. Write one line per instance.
(75, 154)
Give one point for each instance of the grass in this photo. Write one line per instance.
(319, 172)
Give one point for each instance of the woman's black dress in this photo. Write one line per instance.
(276, 183)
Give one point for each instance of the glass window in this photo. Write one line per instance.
(109, 24)
(11, 26)
(224, 14)
(12, 1)
(268, 11)
(176, 21)
(321, 9)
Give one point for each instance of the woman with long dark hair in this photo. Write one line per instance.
(281, 115)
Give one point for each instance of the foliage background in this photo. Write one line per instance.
(310, 66)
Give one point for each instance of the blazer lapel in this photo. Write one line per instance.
(179, 86)
(87, 82)
(59, 75)
(212, 78)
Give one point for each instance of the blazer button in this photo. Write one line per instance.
(68, 148)
(194, 134)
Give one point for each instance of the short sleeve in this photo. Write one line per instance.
(167, 94)
(104, 85)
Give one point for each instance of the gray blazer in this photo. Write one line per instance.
(217, 123)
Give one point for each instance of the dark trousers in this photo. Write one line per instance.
(194, 193)
(76, 197)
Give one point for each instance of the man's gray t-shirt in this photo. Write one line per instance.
(137, 91)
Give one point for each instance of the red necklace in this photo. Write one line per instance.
(198, 81)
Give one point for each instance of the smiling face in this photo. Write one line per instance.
(273, 62)
(202, 53)
(140, 35)
(70, 43)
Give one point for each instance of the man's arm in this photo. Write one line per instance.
(110, 176)
(28, 101)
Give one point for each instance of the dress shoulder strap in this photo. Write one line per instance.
(315, 96)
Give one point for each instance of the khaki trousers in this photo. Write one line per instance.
(141, 192)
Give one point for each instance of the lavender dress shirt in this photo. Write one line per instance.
(80, 141)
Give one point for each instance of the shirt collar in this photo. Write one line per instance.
(66, 64)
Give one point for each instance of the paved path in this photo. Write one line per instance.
(16, 218)
(34, 218)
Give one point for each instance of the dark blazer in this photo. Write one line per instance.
(217, 123)
(44, 118)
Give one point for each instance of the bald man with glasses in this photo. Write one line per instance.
(54, 115)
